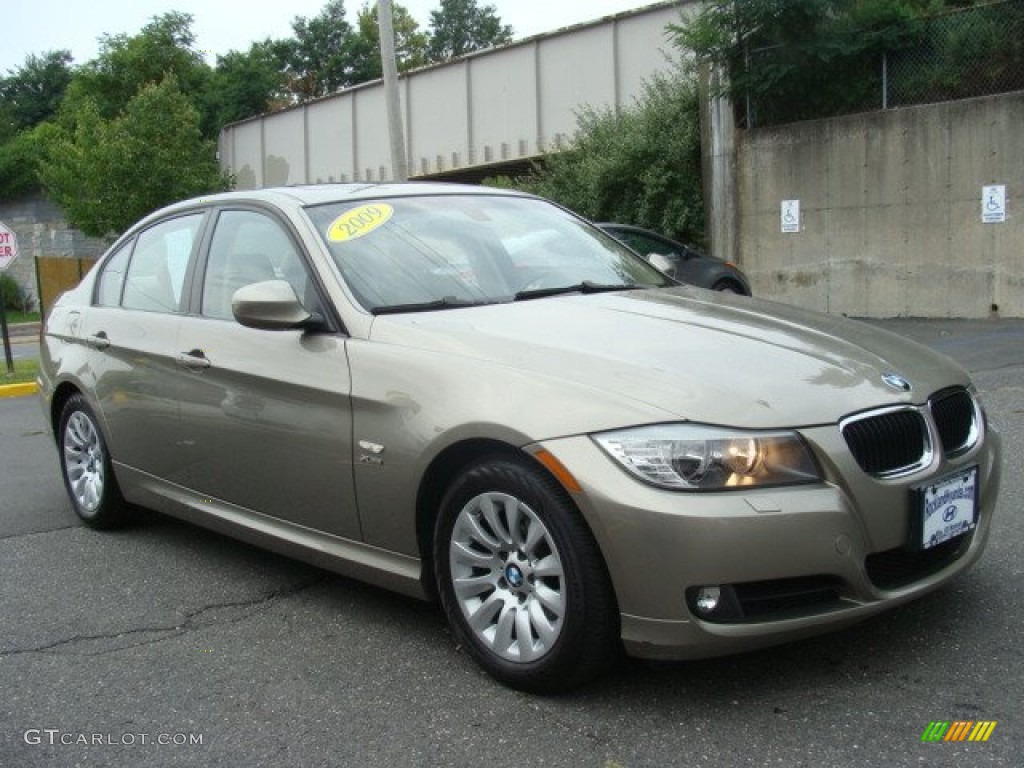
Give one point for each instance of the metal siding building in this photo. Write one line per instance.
(492, 107)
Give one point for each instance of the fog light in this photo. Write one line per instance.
(717, 603)
(708, 599)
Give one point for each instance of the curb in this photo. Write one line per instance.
(18, 390)
(23, 331)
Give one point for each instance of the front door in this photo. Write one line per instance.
(266, 420)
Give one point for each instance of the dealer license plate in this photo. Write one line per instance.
(948, 508)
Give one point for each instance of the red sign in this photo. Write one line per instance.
(8, 246)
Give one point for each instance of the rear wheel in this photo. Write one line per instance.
(85, 465)
(521, 579)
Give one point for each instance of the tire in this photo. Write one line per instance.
(728, 286)
(521, 579)
(86, 467)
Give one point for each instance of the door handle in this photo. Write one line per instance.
(99, 341)
(194, 360)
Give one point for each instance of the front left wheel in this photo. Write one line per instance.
(86, 467)
(521, 579)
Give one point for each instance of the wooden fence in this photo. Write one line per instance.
(56, 274)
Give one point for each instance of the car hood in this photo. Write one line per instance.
(693, 354)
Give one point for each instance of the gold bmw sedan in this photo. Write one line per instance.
(476, 396)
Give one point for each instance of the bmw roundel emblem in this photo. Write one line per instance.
(896, 382)
(514, 575)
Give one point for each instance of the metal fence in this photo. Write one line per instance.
(960, 54)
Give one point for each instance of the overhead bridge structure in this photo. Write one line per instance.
(483, 114)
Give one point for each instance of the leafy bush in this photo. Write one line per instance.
(962, 54)
(13, 297)
(793, 60)
(640, 165)
(789, 60)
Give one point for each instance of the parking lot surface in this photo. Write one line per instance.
(164, 644)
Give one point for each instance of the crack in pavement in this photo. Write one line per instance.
(192, 621)
(26, 534)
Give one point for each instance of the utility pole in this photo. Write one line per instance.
(399, 166)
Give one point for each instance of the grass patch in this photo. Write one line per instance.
(14, 317)
(24, 371)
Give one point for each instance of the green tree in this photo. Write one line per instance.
(320, 54)
(640, 165)
(19, 162)
(461, 26)
(32, 93)
(244, 84)
(107, 173)
(410, 43)
(29, 96)
(126, 65)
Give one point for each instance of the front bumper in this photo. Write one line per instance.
(849, 533)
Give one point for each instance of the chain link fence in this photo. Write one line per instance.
(959, 54)
(975, 52)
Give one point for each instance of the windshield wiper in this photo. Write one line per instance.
(587, 286)
(448, 302)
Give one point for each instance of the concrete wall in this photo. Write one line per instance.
(891, 211)
(43, 231)
(502, 104)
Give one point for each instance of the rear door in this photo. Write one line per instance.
(132, 330)
(266, 419)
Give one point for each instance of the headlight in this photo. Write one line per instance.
(690, 457)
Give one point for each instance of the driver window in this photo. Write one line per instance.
(250, 247)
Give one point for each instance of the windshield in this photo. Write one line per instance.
(438, 252)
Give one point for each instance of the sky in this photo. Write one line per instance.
(38, 26)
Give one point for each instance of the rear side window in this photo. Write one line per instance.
(156, 274)
(108, 293)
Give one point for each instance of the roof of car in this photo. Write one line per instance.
(318, 194)
(315, 194)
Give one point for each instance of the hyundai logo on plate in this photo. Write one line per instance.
(896, 382)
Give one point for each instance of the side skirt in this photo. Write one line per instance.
(380, 567)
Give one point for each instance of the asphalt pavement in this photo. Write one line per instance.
(164, 644)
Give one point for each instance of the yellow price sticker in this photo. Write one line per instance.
(357, 222)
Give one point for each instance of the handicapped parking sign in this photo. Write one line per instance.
(993, 204)
(790, 215)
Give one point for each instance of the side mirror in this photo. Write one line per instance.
(689, 253)
(270, 306)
